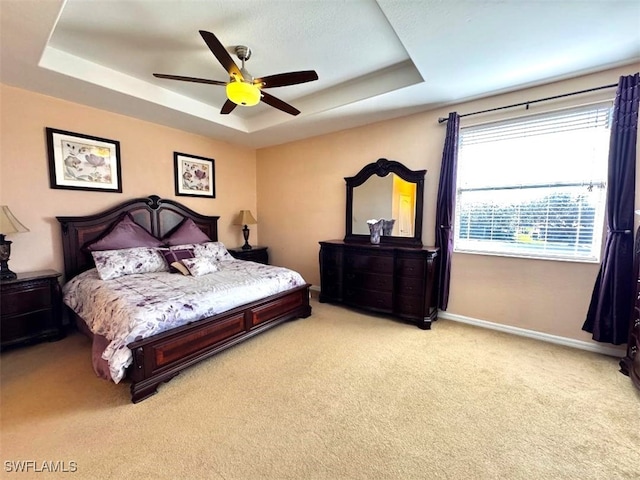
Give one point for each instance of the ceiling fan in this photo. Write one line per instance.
(242, 88)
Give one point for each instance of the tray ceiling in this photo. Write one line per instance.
(376, 60)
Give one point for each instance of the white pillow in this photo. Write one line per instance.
(128, 261)
(216, 251)
(200, 266)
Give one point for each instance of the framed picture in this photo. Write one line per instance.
(82, 162)
(195, 176)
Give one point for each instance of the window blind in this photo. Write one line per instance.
(534, 186)
(544, 124)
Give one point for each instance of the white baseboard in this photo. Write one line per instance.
(523, 332)
(545, 337)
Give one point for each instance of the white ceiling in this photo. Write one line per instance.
(375, 60)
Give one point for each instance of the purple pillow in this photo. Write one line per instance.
(171, 256)
(187, 232)
(125, 233)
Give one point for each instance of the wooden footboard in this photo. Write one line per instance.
(161, 357)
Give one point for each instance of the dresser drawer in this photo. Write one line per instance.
(369, 298)
(410, 306)
(30, 326)
(369, 263)
(635, 366)
(331, 257)
(330, 282)
(36, 297)
(369, 281)
(331, 274)
(410, 286)
(634, 341)
(411, 267)
(330, 291)
(31, 308)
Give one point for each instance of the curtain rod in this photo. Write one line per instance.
(442, 119)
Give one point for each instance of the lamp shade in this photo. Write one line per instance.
(243, 93)
(9, 223)
(245, 218)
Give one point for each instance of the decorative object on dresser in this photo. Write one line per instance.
(83, 162)
(630, 364)
(8, 224)
(387, 227)
(31, 308)
(245, 218)
(157, 358)
(257, 254)
(397, 275)
(375, 230)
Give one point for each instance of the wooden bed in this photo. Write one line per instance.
(161, 357)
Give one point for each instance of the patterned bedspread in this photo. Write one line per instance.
(132, 307)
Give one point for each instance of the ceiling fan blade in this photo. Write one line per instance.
(279, 104)
(189, 79)
(221, 54)
(284, 79)
(227, 108)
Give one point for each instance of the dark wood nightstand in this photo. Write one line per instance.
(30, 308)
(256, 254)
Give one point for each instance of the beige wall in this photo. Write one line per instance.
(147, 168)
(301, 193)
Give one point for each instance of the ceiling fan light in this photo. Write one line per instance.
(243, 93)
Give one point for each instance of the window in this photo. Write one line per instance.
(534, 186)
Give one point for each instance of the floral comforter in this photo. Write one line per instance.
(132, 307)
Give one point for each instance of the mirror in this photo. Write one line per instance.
(389, 197)
(386, 190)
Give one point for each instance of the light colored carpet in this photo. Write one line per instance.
(339, 395)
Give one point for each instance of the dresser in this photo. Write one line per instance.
(630, 364)
(30, 308)
(390, 279)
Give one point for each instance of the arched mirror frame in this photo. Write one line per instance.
(382, 168)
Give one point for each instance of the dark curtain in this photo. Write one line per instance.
(445, 207)
(611, 302)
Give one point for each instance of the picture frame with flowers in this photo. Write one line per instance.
(83, 162)
(194, 175)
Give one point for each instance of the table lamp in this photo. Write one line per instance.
(245, 218)
(8, 224)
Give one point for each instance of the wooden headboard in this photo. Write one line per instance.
(158, 216)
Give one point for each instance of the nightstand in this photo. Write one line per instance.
(256, 254)
(30, 308)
